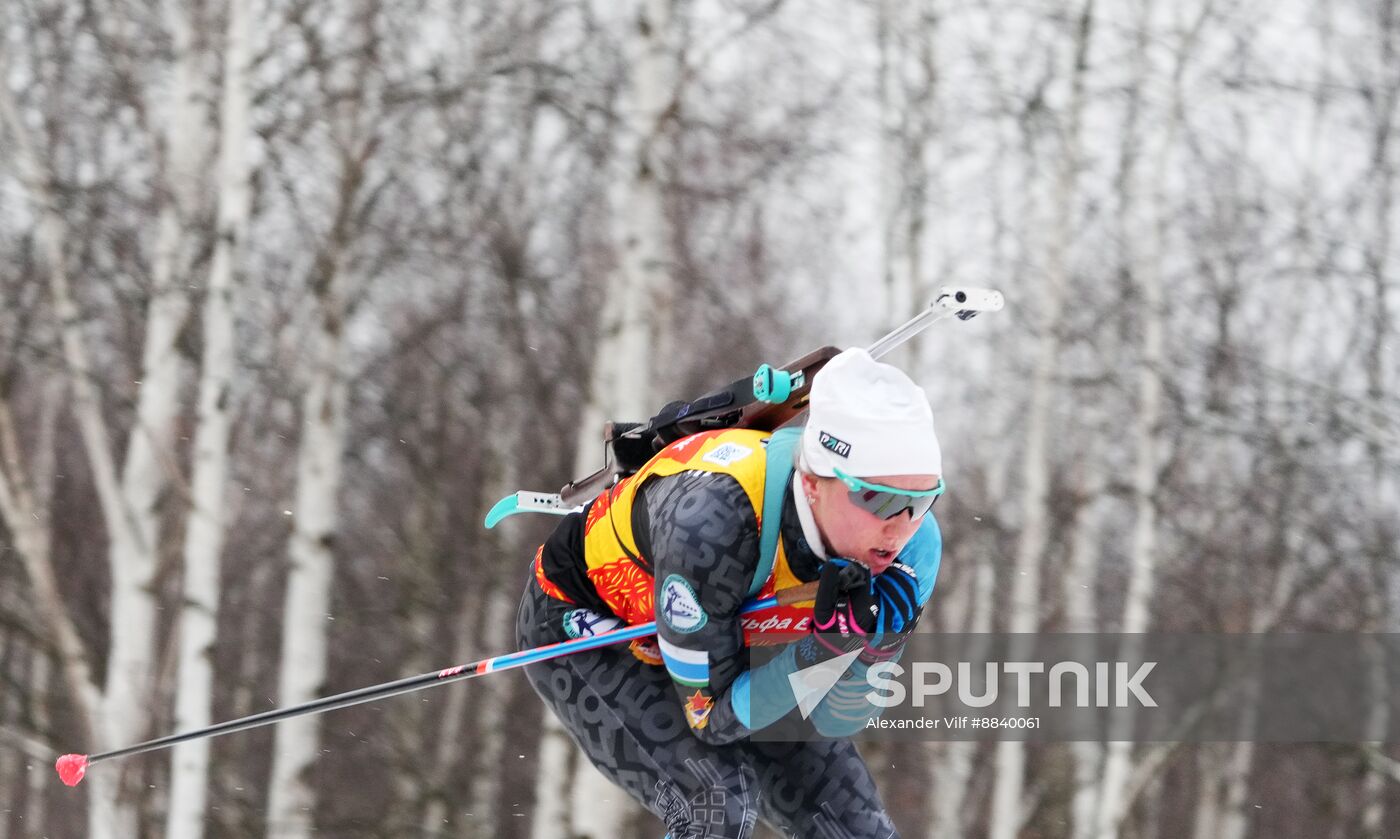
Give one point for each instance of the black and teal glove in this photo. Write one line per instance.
(896, 594)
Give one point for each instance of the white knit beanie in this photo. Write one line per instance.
(868, 419)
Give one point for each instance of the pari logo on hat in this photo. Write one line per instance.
(869, 419)
(839, 447)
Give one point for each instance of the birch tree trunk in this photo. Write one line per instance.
(1210, 762)
(1374, 784)
(1147, 457)
(1386, 538)
(484, 625)
(908, 89)
(23, 756)
(501, 605)
(953, 764)
(1081, 617)
(1147, 446)
(40, 672)
(619, 384)
(1235, 821)
(149, 463)
(488, 741)
(9, 711)
(204, 532)
(24, 506)
(310, 555)
(119, 714)
(553, 780)
(1145, 250)
(1008, 808)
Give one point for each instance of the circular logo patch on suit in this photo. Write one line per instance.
(680, 608)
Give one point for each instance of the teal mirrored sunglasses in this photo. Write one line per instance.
(888, 502)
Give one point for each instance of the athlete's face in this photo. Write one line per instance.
(856, 533)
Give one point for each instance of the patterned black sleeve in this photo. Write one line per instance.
(700, 533)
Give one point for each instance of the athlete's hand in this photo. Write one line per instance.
(897, 595)
(846, 611)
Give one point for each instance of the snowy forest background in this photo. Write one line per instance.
(291, 292)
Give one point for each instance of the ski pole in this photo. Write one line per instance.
(72, 767)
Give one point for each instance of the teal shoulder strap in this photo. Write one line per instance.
(781, 446)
